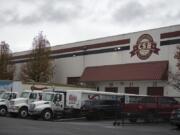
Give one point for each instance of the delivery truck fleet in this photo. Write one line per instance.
(50, 104)
(65, 103)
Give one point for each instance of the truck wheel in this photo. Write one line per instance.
(47, 115)
(23, 113)
(3, 111)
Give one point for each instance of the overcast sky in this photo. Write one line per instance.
(67, 21)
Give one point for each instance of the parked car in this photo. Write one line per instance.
(100, 109)
(175, 117)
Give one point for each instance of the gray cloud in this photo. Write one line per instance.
(130, 12)
(138, 12)
(41, 11)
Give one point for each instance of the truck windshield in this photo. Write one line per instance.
(5, 95)
(1, 94)
(48, 97)
(25, 94)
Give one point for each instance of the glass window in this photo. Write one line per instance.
(13, 95)
(33, 96)
(58, 98)
(48, 97)
(148, 100)
(6, 96)
(25, 94)
(167, 100)
(135, 99)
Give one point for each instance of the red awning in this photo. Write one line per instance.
(127, 72)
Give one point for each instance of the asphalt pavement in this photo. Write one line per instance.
(16, 126)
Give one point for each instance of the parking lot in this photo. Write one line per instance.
(16, 126)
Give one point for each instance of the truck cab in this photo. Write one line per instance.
(52, 104)
(4, 101)
(20, 105)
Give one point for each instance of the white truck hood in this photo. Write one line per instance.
(19, 100)
(2, 100)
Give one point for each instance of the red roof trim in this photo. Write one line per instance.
(127, 72)
(84, 47)
(170, 34)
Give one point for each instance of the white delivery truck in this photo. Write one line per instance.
(65, 102)
(5, 98)
(20, 105)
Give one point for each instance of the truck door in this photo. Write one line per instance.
(32, 97)
(59, 102)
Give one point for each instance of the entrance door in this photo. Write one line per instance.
(132, 90)
(155, 91)
(111, 89)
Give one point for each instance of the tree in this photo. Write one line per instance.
(174, 79)
(39, 68)
(6, 66)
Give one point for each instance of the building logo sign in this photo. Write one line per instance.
(144, 47)
(72, 99)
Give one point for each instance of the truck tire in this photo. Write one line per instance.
(47, 115)
(3, 111)
(23, 113)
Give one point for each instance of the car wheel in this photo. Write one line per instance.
(47, 115)
(23, 113)
(3, 111)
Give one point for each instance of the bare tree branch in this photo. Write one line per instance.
(6, 67)
(40, 67)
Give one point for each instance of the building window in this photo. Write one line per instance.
(111, 89)
(132, 90)
(73, 80)
(155, 91)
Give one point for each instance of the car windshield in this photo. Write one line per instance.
(5, 95)
(25, 94)
(48, 97)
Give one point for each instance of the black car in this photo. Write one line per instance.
(100, 109)
(175, 117)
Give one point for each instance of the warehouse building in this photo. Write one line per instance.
(137, 62)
